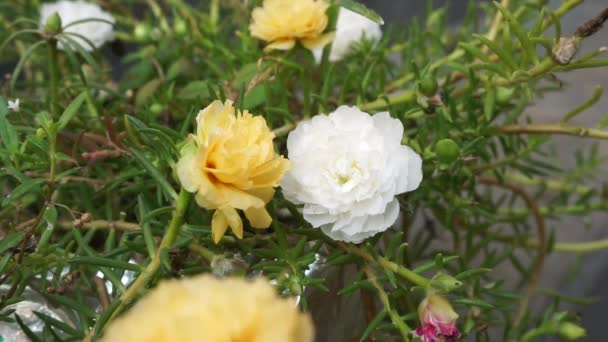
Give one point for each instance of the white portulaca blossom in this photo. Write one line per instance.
(96, 32)
(351, 28)
(348, 167)
(13, 105)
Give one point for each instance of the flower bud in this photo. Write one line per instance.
(570, 331)
(40, 133)
(565, 49)
(447, 151)
(156, 108)
(53, 24)
(504, 95)
(179, 27)
(429, 86)
(142, 32)
(445, 282)
(438, 320)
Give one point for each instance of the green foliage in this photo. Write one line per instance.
(88, 182)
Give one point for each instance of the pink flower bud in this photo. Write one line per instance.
(438, 320)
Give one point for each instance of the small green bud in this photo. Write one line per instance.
(40, 133)
(295, 286)
(429, 86)
(156, 108)
(447, 151)
(445, 282)
(180, 27)
(142, 32)
(53, 24)
(570, 331)
(504, 95)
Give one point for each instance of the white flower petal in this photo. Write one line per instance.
(97, 32)
(347, 169)
(351, 28)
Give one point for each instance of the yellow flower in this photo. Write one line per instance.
(204, 308)
(283, 22)
(231, 164)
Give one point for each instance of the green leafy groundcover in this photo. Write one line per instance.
(89, 189)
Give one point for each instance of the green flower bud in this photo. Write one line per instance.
(53, 24)
(447, 151)
(429, 86)
(445, 282)
(142, 32)
(504, 95)
(40, 133)
(570, 331)
(156, 108)
(180, 27)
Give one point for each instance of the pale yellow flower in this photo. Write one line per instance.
(283, 22)
(231, 164)
(204, 308)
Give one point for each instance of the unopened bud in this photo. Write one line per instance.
(504, 95)
(179, 27)
(447, 151)
(53, 24)
(570, 331)
(564, 51)
(142, 32)
(429, 86)
(445, 282)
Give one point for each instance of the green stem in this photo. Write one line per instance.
(54, 75)
(404, 329)
(406, 273)
(407, 96)
(152, 268)
(554, 129)
(214, 14)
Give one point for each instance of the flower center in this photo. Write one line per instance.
(346, 174)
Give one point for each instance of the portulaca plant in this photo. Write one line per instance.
(289, 170)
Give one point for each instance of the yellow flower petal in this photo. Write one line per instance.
(318, 42)
(270, 173)
(187, 172)
(285, 44)
(234, 221)
(232, 165)
(282, 22)
(219, 225)
(258, 217)
(205, 308)
(265, 194)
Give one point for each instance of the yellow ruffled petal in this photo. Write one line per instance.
(270, 173)
(219, 225)
(214, 119)
(258, 217)
(187, 172)
(234, 221)
(265, 194)
(318, 42)
(284, 44)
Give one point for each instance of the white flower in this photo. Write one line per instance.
(97, 32)
(347, 168)
(351, 27)
(13, 105)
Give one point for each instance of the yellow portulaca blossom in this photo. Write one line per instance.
(283, 22)
(204, 308)
(231, 164)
